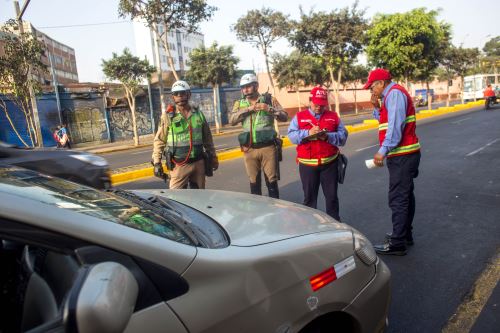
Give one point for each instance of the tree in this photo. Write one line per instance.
(22, 54)
(459, 61)
(262, 28)
(338, 37)
(212, 66)
(492, 47)
(162, 16)
(404, 42)
(355, 74)
(297, 70)
(130, 71)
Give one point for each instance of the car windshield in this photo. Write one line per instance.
(85, 200)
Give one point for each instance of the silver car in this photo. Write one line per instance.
(78, 259)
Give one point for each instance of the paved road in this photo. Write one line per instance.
(143, 155)
(457, 220)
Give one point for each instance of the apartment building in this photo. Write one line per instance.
(63, 57)
(180, 43)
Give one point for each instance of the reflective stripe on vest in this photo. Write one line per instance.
(409, 119)
(405, 149)
(317, 161)
(261, 124)
(180, 139)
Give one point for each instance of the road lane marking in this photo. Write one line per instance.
(360, 149)
(467, 313)
(483, 147)
(220, 146)
(139, 152)
(459, 121)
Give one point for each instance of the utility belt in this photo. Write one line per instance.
(261, 145)
(189, 160)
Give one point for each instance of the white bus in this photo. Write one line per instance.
(474, 85)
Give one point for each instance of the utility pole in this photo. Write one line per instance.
(36, 119)
(54, 81)
(160, 74)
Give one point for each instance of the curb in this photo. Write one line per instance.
(128, 176)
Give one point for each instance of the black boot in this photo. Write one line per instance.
(255, 188)
(273, 190)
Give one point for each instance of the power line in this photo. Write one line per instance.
(82, 25)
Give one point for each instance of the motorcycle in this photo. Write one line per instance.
(489, 102)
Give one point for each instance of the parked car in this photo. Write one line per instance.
(80, 167)
(84, 260)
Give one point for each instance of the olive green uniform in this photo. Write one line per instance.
(258, 140)
(187, 144)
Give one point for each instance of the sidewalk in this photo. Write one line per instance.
(147, 140)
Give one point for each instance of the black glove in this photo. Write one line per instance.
(158, 170)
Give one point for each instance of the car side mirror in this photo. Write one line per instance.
(102, 299)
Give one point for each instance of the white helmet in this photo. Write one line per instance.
(247, 79)
(180, 86)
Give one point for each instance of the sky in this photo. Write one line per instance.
(472, 26)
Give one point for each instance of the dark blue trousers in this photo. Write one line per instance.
(402, 170)
(326, 176)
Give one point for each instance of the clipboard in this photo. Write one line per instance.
(314, 136)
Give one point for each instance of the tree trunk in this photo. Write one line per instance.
(159, 72)
(4, 107)
(355, 100)
(164, 42)
(269, 71)
(429, 98)
(298, 97)
(131, 103)
(462, 89)
(332, 80)
(216, 112)
(448, 93)
(337, 88)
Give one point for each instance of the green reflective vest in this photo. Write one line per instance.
(184, 133)
(258, 127)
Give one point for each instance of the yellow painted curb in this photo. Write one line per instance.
(369, 124)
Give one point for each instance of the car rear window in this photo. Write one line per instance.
(85, 200)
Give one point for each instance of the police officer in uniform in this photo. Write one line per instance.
(258, 141)
(318, 132)
(186, 135)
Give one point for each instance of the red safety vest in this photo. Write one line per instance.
(317, 152)
(488, 92)
(409, 140)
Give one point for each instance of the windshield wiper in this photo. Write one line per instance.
(168, 214)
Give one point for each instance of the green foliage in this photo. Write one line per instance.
(492, 47)
(356, 73)
(22, 51)
(22, 56)
(175, 14)
(214, 65)
(408, 44)
(337, 37)
(262, 27)
(459, 61)
(127, 68)
(297, 70)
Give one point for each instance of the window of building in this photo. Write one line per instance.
(58, 60)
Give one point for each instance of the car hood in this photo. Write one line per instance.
(252, 220)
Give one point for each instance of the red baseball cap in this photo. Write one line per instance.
(377, 75)
(319, 96)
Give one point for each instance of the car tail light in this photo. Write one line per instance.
(320, 280)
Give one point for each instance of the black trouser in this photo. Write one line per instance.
(327, 176)
(402, 170)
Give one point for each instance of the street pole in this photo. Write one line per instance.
(151, 107)
(34, 107)
(160, 74)
(56, 89)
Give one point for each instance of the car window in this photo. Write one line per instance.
(85, 200)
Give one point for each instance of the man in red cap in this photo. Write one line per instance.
(318, 132)
(400, 146)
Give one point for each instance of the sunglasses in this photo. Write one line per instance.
(180, 93)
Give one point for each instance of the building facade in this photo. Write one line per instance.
(63, 57)
(180, 44)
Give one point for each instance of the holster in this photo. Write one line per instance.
(208, 160)
(342, 166)
(169, 160)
